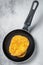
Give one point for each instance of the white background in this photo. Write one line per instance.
(13, 16)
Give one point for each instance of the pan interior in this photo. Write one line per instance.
(7, 40)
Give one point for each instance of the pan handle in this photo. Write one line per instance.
(31, 14)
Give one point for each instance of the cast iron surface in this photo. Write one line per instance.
(7, 41)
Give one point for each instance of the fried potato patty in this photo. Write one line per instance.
(18, 45)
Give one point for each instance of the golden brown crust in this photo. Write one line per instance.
(18, 45)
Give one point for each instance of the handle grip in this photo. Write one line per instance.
(31, 14)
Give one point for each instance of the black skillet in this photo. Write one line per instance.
(23, 32)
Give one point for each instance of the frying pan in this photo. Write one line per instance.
(23, 32)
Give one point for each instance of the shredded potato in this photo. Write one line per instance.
(18, 46)
(22, 55)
